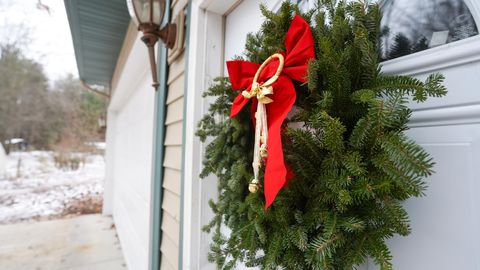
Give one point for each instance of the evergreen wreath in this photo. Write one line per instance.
(353, 164)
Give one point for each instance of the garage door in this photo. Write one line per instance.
(445, 223)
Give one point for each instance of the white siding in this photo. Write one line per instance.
(129, 154)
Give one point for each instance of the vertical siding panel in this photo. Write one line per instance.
(172, 137)
(172, 165)
(172, 180)
(173, 156)
(166, 264)
(174, 112)
(171, 204)
(176, 90)
(169, 250)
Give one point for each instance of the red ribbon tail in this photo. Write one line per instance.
(275, 170)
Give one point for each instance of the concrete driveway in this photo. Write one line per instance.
(80, 243)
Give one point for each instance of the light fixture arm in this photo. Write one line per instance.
(150, 37)
(153, 66)
(168, 35)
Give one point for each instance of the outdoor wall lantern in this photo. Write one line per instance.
(148, 15)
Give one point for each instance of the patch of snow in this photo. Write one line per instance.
(98, 145)
(15, 141)
(33, 187)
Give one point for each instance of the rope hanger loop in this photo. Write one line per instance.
(260, 91)
(264, 64)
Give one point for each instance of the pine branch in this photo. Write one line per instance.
(407, 155)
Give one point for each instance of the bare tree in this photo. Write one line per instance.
(27, 107)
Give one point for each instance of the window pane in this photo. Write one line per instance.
(411, 26)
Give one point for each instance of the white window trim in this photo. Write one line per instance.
(448, 55)
(432, 60)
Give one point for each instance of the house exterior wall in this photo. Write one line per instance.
(130, 148)
(129, 151)
(171, 204)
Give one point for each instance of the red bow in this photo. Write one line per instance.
(299, 50)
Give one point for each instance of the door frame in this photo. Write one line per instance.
(205, 56)
(206, 17)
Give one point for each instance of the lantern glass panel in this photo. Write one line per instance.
(147, 11)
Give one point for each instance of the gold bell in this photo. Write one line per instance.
(254, 186)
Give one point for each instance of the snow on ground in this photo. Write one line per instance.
(43, 190)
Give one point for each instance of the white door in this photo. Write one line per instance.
(445, 223)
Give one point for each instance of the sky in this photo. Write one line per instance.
(49, 41)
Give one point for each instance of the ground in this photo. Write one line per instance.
(43, 221)
(35, 189)
(87, 242)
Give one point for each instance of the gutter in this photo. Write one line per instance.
(88, 87)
